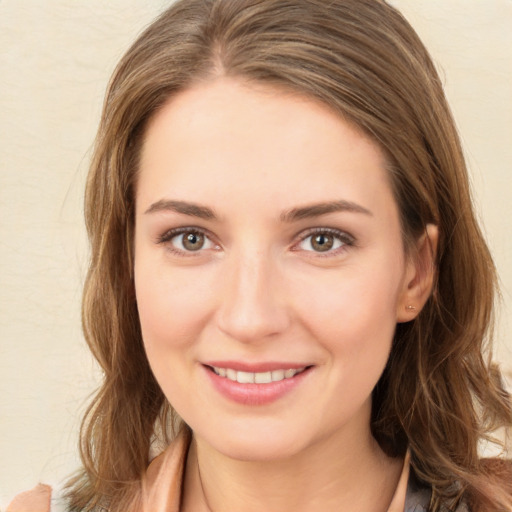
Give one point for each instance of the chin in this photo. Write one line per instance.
(262, 443)
(259, 450)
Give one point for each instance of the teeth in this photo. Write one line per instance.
(277, 375)
(263, 378)
(245, 377)
(258, 377)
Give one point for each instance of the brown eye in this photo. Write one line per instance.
(186, 240)
(192, 241)
(326, 241)
(322, 242)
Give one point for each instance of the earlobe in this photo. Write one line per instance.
(420, 275)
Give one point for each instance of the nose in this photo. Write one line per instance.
(252, 307)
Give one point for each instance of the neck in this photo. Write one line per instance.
(335, 473)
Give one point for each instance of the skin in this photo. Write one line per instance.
(260, 290)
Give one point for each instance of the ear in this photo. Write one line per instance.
(420, 273)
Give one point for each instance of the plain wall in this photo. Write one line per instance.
(55, 59)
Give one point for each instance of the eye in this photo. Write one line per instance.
(325, 241)
(186, 240)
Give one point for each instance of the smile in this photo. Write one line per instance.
(256, 377)
(252, 384)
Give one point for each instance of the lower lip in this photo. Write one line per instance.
(255, 394)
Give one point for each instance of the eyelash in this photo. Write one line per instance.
(345, 238)
(166, 238)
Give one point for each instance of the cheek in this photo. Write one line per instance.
(354, 321)
(350, 298)
(172, 305)
(352, 313)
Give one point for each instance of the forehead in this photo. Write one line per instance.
(225, 140)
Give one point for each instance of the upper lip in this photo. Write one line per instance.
(259, 367)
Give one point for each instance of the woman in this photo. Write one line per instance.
(288, 286)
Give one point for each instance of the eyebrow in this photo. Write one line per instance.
(315, 210)
(184, 207)
(289, 216)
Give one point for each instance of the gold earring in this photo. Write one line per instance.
(410, 308)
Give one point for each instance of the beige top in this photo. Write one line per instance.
(162, 484)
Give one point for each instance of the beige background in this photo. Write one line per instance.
(55, 60)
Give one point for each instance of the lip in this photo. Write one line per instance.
(255, 394)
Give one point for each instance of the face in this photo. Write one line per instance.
(269, 268)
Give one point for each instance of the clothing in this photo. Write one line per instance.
(161, 486)
(159, 496)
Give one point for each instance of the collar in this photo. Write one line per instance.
(162, 483)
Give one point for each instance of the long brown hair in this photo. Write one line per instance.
(439, 394)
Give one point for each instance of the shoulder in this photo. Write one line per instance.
(37, 499)
(42, 498)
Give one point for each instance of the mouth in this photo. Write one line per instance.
(255, 384)
(267, 377)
